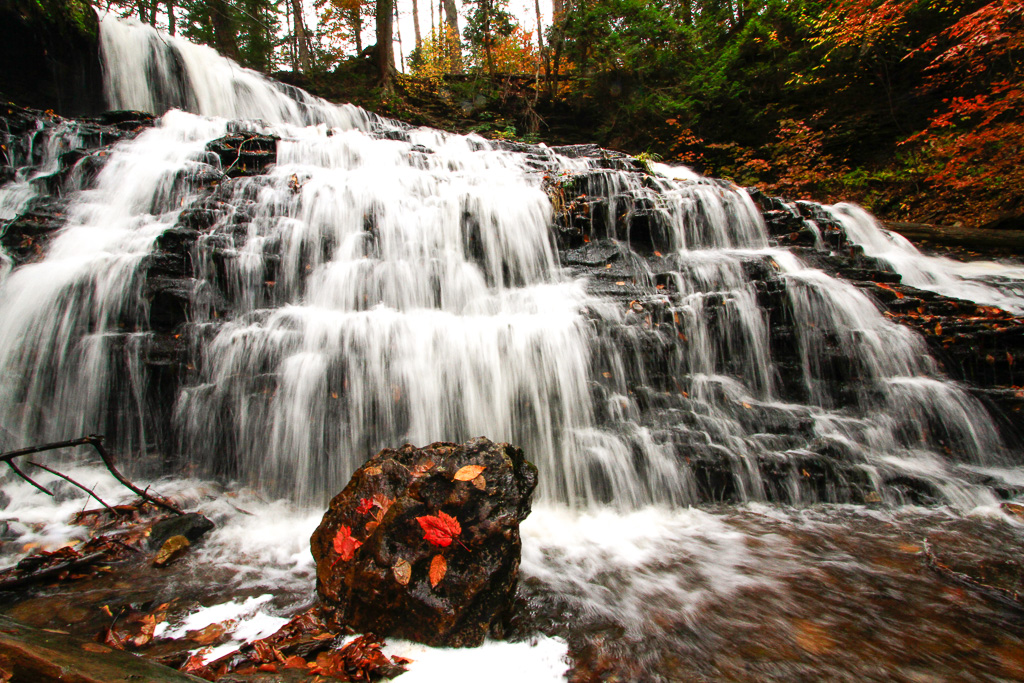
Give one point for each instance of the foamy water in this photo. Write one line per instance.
(984, 282)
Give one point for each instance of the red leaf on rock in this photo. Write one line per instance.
(439, 529)
(344, 544)
(365, 505)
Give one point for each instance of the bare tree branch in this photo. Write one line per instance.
(72, 481)
(96, 441)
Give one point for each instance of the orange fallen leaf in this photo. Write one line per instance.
(207, 635)
(421, 469)
(438, 568)
(812, 637)
(899, 295)
(295, 662)
(403, 572)
(95, 647)
(382, 502)
(148, 628)
(469, 472)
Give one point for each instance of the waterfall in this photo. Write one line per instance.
(383, 284)
(988, 283)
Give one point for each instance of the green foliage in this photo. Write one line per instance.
(899, 103)
(246, 28)
(647, 158)
(71, 15)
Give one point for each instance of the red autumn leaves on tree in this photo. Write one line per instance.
(970, 145)
(975, 139)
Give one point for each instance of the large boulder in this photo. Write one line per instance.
(424, 543)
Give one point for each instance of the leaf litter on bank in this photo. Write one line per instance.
(119, 533)
(306, 643)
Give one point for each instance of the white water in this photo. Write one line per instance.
(416, 295)
(390, 284)
(36, 157)
(984, 282)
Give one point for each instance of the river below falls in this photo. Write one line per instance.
(740, 593)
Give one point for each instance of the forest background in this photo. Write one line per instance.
(913, 108)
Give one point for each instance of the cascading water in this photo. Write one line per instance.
(381, 284)
(390, 284)
(989, 283)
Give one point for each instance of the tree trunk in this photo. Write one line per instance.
(557, 38)
(171, 25)
(416, 24)
(293, 53)
(542, 53)
(301, 39)
(354, 17)
(398, 37)
(488, 37)
(452, 17)
(385, 52)
(225, 32)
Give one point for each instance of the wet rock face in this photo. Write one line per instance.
(245, 154)
(50, 53)
(377, 549)
(82, 146)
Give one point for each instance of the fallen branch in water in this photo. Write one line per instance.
(31, 577)
(29, 479)
(96, 441)
(72, 481)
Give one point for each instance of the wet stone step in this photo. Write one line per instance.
(46, 656)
